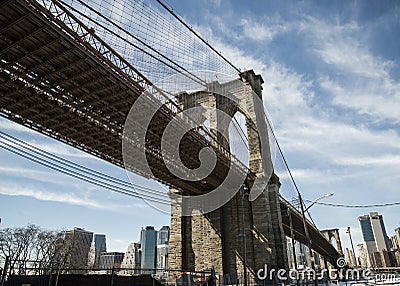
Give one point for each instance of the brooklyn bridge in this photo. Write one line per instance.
(73, 71)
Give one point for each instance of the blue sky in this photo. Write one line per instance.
(332, 81)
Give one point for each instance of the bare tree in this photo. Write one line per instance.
(46, 250)
(16, 243)
(30, 248)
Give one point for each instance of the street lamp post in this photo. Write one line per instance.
(307, 236)
(303, 211)
(243, 234)
(292, 240)
(317, 200)
(244, 240)
(352, 246)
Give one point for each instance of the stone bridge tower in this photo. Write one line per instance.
(333, 234)
(240, 229)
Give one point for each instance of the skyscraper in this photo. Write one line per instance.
(98, 246)
(374, 234)
(163, 235)
(148, 242)
(290, 253)
(394, 243)
(76, 248)
(162, 248)
(301, 254)
(397, 235)
(363, 255)
(349, 256)
(162, 256)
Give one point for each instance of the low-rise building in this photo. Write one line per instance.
(110, 260)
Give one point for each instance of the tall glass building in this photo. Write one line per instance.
(163, 235)
(373, 230)
(374, 234)
(99, 246)
(77, 246)
(148, 241)
(162, 249)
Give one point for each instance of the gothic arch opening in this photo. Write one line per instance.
(334, 242)
(238, 141)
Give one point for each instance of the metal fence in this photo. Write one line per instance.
(37, 273)
(32, 273)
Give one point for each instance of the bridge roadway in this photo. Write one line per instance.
(59, 78)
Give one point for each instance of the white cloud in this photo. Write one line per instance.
(379, 97)
(82, 197)
(318, 133)
(386, 160)
(341, 45)
(315, 175)
(39, 176)
(361, 81)
(285, 89)
(69, 198)
(349, 57)
(234, 54)
(264, 30)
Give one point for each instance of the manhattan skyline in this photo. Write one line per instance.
(331, 76)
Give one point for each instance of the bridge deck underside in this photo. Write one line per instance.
(53, 84)
(319, 242)
(57, 85)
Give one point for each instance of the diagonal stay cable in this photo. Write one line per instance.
(37, 160)
(71, 164)
(196, 34)
(18, 151)
(195, 78)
